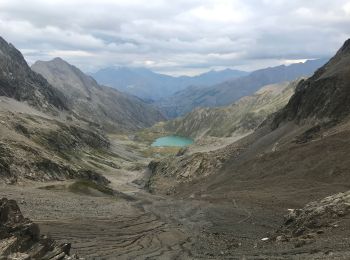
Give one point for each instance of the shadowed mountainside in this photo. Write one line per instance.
(325, 96)
(41, 139)
(18, 81)
(105, 106)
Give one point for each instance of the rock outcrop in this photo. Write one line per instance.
(306, 223)
(168, 173)
(21, 239)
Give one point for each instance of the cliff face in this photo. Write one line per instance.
(18, 81)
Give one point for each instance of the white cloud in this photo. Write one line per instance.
(69, 53)
(175, 36)
(346, 8)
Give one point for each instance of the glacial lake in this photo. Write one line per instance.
(172, 140)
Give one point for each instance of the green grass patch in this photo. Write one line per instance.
(153, 152)
(88, 188)
(54, 187)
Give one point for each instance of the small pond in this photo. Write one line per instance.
(172, 140)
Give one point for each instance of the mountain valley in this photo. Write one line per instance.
(266, 176)
(229, 91)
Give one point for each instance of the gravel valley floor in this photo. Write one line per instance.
(139, 225)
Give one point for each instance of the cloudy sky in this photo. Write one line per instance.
(175, 36)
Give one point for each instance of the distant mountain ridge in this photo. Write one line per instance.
(108, 107)
(149, 85)
(228, 92)
(237, 119)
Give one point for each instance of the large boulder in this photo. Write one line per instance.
(20, 238)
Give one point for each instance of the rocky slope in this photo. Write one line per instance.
(238, 119)
(206, 125)
(35, 146)
(304, 225)
(323, 97)
(115, 111)
(297, 156)
(41, 139)
(149, 85)
(21, 239)
(18, 81)
(313, 125)
(228, 92)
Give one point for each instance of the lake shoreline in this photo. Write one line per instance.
(172, 141)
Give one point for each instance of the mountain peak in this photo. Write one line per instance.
(59, 60)
(18, 81)
(109, 108)
(56, 62)
(345, 48)
(325, 96)
(10, 52)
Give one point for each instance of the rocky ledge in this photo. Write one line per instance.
(20, 238)
(304, 225)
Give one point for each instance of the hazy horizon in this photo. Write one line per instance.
(286, 63)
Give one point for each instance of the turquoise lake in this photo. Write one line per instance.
(172, 140)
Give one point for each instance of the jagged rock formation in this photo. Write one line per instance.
(230, 91)
(18, 81)
(105, 106)
(317, 216)
(21, 239)
(170, 172)
(238, 119)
